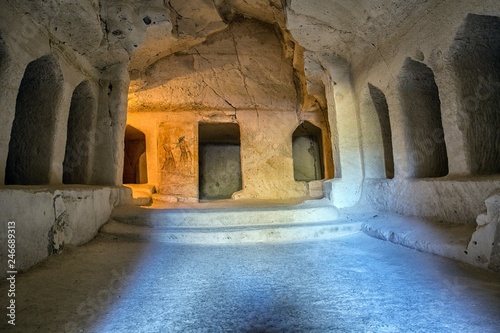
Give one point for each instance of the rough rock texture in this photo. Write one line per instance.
(451, 200)
(220, 171)
(79, 155)
(47, 219)
(483, 249)
(30, 149)
(267, 136)
(350, 29)
(347, 67)
(376, 134)
(240, 75)
(240, 68)
(422, 123)
(352, 284)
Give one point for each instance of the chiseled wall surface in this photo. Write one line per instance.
(240, 75)
(52, 214)
(265, 143)
(431, 35)
(46, 219)
(458, 196)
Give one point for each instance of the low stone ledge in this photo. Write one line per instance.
(47, 218)
(440, 238)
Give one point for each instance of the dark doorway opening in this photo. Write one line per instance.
(135, 166)
(219, 160)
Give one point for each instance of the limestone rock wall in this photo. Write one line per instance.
(242, 76)
(417, 95)
(48, 219)
(265, 151)
(405, 94)
(62, 120)
(240, 68)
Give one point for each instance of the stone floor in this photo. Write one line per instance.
(349, 284)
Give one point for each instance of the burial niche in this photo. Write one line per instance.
(421, 106)
(307, 152)
(81, 130)
(32, 137)
(475, 57)
(219, 160)
(377, 135)
(135, 165)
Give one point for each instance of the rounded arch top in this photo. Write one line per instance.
(33, 131)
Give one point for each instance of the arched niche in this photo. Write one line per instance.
(135, 166)
(423, 128)
(475, 55)
(80, 133)
(307, 148)
(376, 134)
(219, 160)
(32, 137)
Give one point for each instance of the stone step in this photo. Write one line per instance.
(296, 232)
(448, 240)
(310, 212)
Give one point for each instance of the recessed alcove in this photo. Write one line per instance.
(475, 57)
(307, 150)
(135, 165)
(32, 137)
(219, 160)
(376, 134)
(80, 132)
(423, 128)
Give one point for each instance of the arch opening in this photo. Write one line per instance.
(80, 133)
(32, 137)
(376, 135)
(307, 150)
(424, 135)
(475, 57)
(135, 165)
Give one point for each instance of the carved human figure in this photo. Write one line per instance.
(169, 163)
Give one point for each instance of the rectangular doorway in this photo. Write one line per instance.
(219, 160)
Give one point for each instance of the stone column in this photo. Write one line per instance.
(401, 155)
(60, 134)
(453, 125)
(111, 122)
(343, 115)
